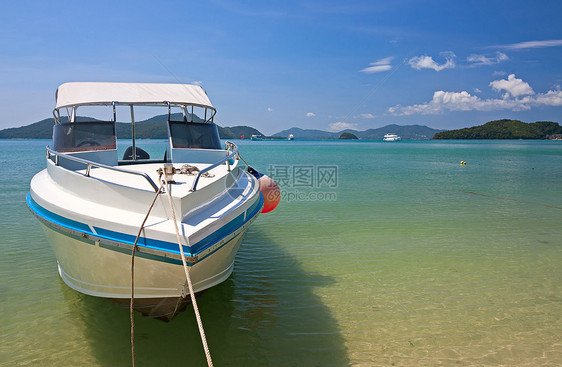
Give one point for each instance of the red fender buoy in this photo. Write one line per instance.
(268, 188)
(271, 193)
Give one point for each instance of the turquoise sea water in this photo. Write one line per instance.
(379, 254)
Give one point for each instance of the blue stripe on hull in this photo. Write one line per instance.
(55, 218)
(171, 247)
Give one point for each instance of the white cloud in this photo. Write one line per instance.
(515, 87)
(478, 60)
(269, 109)
(550, 98)
(427, 62)
(310, 114)
(376, 69)
(454, 101)
(386, 60)
(477, 90)
(378, 66)
(443, 101)
(531, 44)
(340, 125)
(365, 116)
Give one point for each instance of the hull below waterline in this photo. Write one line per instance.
(164, 309)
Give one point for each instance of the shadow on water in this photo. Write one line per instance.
(265, 314)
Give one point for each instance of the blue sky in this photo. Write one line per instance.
(313, 64)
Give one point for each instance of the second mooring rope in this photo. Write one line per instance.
(188, 277)
(131, 306)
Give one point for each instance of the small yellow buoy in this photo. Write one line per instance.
(463, 163)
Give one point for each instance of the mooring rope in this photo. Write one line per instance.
(133, 273)
(188, 277)
(243, 160)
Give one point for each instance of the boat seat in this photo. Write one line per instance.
(140, 154)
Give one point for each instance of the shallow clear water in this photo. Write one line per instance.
(378, 254)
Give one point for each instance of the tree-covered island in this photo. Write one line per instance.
(505, 129)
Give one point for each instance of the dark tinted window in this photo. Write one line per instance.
(194, 135)
(82, 136)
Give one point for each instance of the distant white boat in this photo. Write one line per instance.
(291, 137)
(256, 137)
(391, 137)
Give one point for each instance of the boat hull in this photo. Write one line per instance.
(90, 266)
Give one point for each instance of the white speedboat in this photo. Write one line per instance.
(91, 204)
(255, 137)
(391, 137)
(291, 137)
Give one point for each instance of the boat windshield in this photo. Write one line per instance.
(82, 136)
(125, 134)
(194, 135)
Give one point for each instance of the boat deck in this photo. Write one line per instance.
(181, 187)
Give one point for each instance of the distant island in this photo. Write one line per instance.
(348, 136)
(156, 128)
(407, 132)
(505, 129)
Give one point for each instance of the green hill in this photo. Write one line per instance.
(236, 132)
(40, 130)
(348, 136)
(504, 129)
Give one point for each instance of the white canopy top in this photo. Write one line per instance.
(91, 93)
